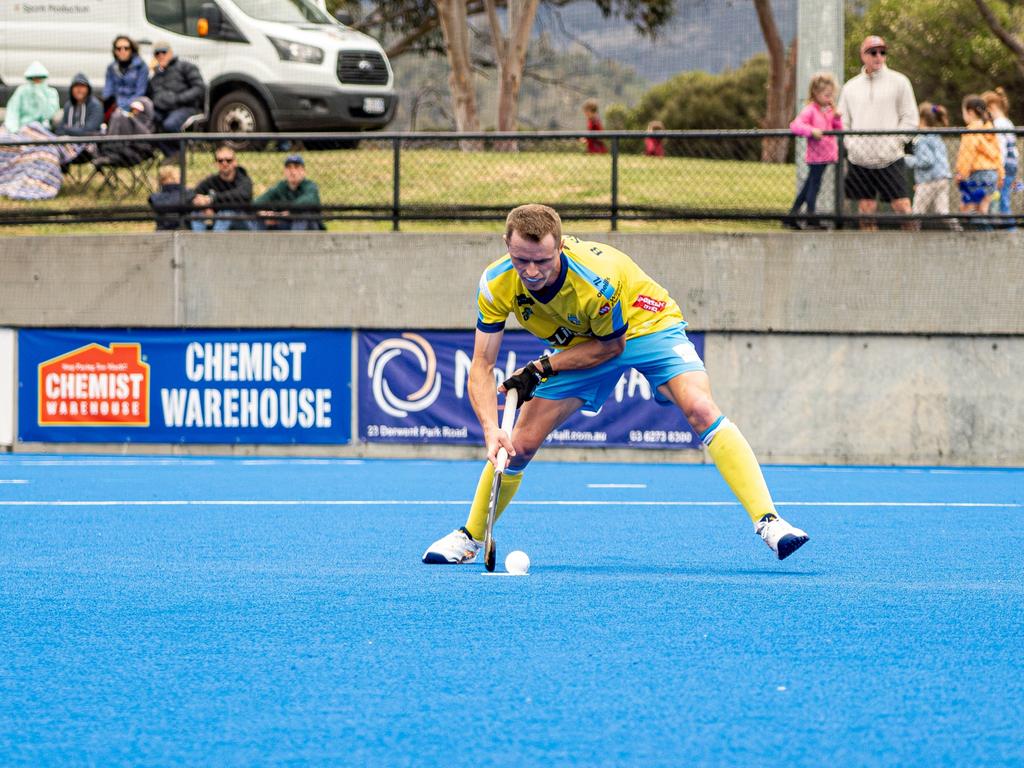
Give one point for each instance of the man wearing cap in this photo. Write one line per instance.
(293, 203)
(177, 90)
(878, 99)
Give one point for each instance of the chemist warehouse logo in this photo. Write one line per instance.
(423, 353)
(94, 386)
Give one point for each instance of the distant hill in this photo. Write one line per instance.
(711, 35)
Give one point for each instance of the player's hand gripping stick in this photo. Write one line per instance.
(528, 378)
(508, 418)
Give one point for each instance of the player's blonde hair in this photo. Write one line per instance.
(533, 222)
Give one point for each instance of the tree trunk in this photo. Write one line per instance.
(455, 27)
(1007, 38)
(781, 84)
(510, 53)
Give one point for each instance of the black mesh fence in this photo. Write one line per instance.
(905, 180)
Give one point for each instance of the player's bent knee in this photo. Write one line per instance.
(701, 412)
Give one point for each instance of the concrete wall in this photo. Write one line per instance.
(842, 347)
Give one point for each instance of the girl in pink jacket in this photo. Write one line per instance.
(819, 115)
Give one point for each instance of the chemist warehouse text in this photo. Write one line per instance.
(264, 406)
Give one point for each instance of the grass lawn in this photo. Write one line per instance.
(445, 178)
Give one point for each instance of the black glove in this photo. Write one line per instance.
(526, 381)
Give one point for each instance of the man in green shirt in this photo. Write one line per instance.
(291, 204)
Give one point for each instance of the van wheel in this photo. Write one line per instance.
(240, 112)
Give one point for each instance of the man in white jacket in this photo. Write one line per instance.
(878, 99)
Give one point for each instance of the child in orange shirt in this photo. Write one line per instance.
(979, 164)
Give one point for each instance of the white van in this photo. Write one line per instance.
(269, 64)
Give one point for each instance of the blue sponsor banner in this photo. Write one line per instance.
(413, 388)
(185, 386)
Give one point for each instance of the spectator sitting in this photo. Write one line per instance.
(653, 146)
(177, 90)
(127, 76)
(137, 121)
(32, 102)
(300, 195)
(83, 113)
(224, 192)
(594, 146)
(167, 202)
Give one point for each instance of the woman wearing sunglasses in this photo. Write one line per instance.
(127, 76)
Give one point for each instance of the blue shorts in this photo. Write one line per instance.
(658, 356)
(978, 186)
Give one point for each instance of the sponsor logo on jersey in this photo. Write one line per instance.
(527, 312)
(562, 336)
(95, 386)
(605, 310)
(603, 285)
(646, 302)
(574, 320)
(523, 300)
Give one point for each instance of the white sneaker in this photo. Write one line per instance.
(782, 537)
(455, 548)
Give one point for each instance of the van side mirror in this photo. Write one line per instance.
(343, 17)
(210, 20)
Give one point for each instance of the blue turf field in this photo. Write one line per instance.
(204, 624)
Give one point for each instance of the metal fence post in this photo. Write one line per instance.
(183, 181)
(837, 193)
(396, 184)
(615, 183)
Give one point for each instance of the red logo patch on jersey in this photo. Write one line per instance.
(605, 309)
(646, 302)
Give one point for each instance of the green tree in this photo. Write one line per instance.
(945, 47)
(734, 99)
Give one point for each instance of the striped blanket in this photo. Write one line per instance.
(32, 172)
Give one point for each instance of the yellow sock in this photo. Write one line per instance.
(476, 523)
(739, 468)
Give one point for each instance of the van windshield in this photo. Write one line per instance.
(283, 11)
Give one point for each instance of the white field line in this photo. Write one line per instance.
(464, 502)
(13, 482)
(616, 485)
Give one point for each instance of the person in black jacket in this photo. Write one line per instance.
(177, 90)
(224, 192)
(167, 201)
(83, 112)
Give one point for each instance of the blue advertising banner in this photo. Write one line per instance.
(413, 389)
(187, 386)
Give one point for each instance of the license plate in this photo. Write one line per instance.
(374, 105)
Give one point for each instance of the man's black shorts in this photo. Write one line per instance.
(885, 184)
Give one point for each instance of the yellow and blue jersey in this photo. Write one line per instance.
(600, 293)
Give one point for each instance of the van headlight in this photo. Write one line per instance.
(289, 50)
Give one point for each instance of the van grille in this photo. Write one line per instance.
(362, 68)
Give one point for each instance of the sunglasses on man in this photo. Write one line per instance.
(875, 52)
